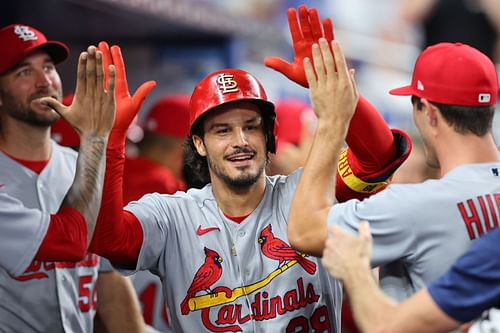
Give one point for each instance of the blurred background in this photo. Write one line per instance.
(178, 42)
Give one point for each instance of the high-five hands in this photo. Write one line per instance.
(93, 109)
(304, 35)
(332, 87)
(127, 106)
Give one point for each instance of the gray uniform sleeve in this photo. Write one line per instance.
(391, 217)
(151, 212)
(22, 230)
(105, 265)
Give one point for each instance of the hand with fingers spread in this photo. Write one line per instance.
(304, 35)
(92, 112)
(344, 254)
(332, 87)
(127, 106)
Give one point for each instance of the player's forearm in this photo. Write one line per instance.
(374, 312)
(118, 235)
(371, 308)
(370, 140)
(117, 304)
(315, 193)
(86, 192)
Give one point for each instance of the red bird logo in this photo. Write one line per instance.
(275, 248)
(205, 277)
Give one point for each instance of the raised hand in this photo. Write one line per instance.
(92, 114)
(304, 35)
(127, 106)
(93, 109)
(331, 85)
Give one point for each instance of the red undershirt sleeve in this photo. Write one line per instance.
(66, 238)
(370, 140)
(118, 234)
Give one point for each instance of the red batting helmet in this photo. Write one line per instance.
(227, 86)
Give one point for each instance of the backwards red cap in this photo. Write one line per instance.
(17, 41)
(453, 74)
(169, 116)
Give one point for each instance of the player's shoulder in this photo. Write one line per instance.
(193, 196)
(280, 180)
(474, 172)
(397, 192)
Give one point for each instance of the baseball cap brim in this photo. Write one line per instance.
(57, 51)
(402, 91)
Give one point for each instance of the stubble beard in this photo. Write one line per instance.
(24, 112)
(240, 182)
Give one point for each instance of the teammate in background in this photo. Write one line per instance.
(157, 168)
(53, 188)
(419, 230)
(469, 287)
(297, 123)
(222, 251)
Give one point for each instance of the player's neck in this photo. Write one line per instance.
(238, 202)
(468, 149)
(25, 141)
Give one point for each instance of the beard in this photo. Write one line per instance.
(23, 111)
(240, 182)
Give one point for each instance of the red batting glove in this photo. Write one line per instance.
(127, 106)
(304, 35)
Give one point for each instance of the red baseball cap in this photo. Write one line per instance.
(17, 41)
(291, 115)
(169, 116)
(453, 74)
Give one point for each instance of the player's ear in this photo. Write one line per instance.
(199, 145)
(431, 112)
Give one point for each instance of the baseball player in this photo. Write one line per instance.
(31, 232)
(221, 251)
(419, 230)
(161, 150)
(157, 168)
(468, 288)
(57, 291)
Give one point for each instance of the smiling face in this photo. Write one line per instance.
(20, 89)
(234, 144)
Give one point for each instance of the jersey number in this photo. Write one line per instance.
(87, 297)
(319, 322)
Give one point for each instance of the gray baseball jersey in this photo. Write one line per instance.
(48, 296)
(221, 276)
(419, 230)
